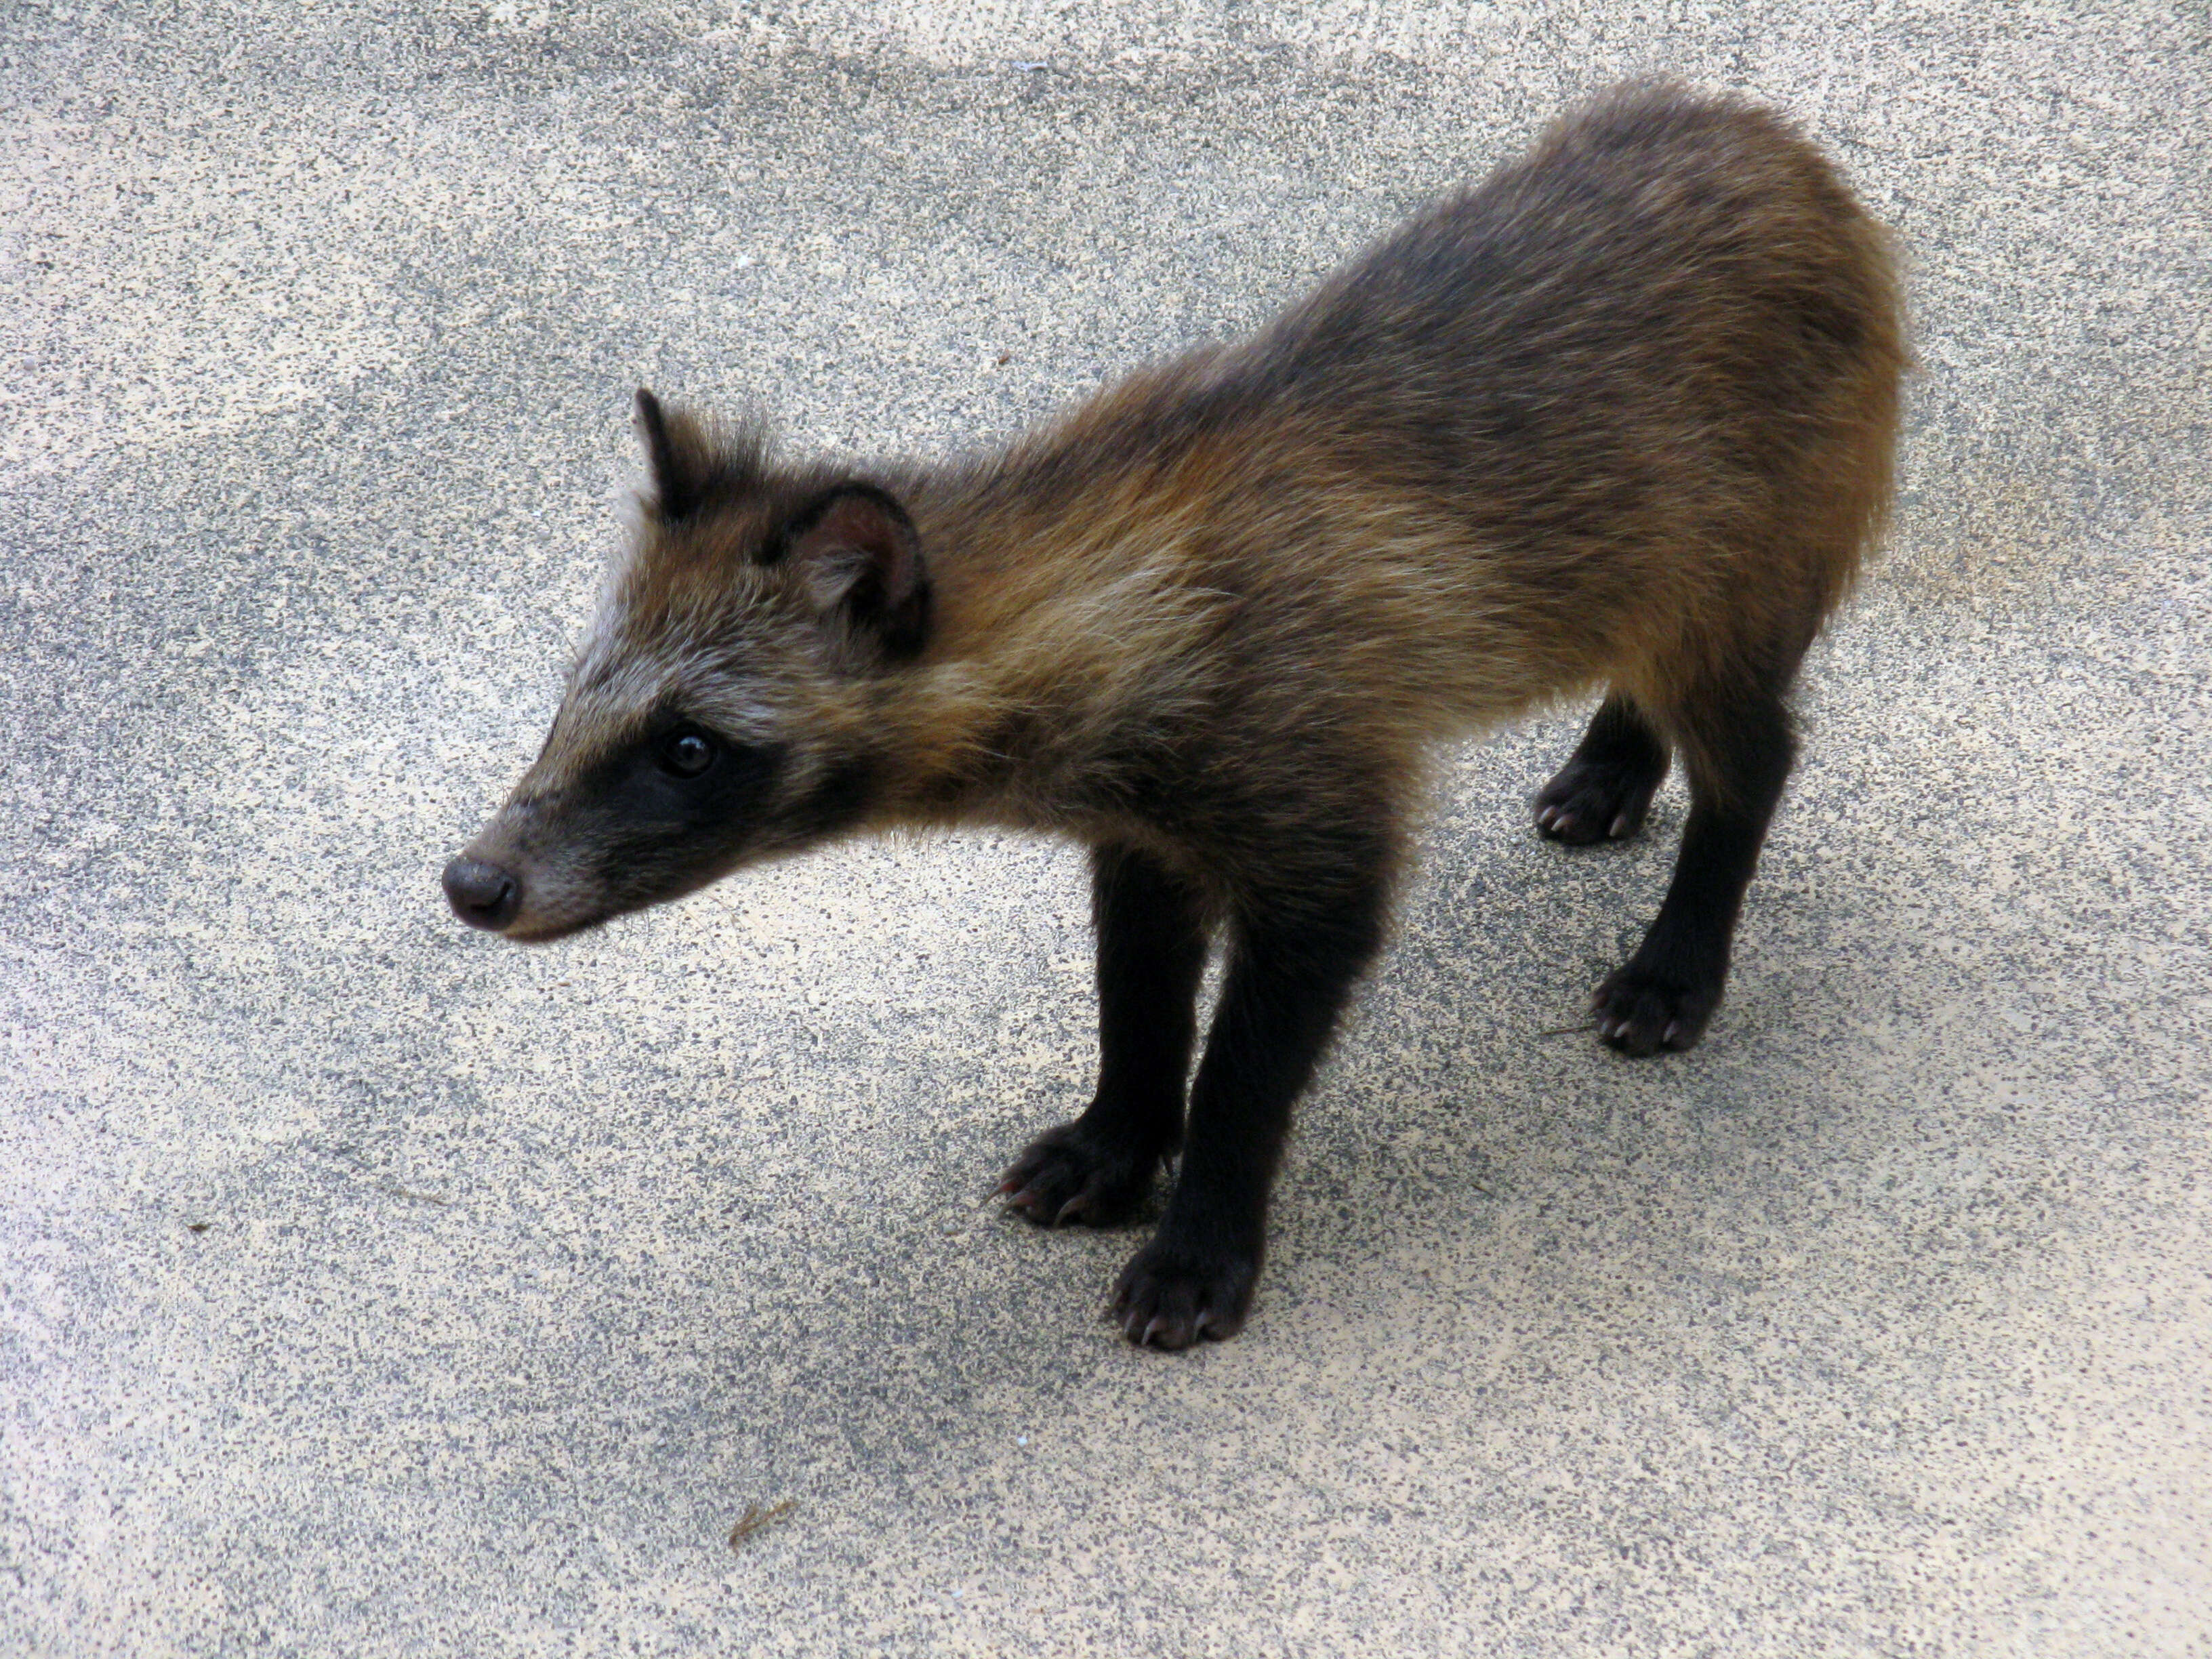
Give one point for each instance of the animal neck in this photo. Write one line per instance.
(993, 703)
(1076, 580)
(1065, 606)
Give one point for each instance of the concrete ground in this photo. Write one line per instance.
(373, 1288)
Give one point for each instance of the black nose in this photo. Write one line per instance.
(482, 894)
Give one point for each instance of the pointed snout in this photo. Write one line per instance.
(482, 894)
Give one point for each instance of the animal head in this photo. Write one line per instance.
(721, 710)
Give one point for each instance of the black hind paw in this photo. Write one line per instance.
(1594, 800)
(1641, 1012)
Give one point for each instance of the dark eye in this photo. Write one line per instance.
(687, 752)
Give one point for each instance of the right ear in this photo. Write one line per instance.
(679, 455)
(860, 559)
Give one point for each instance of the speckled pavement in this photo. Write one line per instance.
(373, 1288)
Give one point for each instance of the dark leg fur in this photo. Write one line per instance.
(1606, 787)
(1151, 949)
(1738, 752)
(1291, 970)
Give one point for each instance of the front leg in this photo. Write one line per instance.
(1294, 959)
(1151, 949)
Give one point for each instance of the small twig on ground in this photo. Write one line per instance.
(756, 1517)
(1569, 1031)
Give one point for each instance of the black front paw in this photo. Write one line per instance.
(1594, 800)
(1640, 1012)
(1170, 1295)
(1075, 1174)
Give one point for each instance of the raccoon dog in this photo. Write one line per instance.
(1620, 417)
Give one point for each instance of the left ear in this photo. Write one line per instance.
(677, 450)
(859, 558)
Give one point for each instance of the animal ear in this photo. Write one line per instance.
(859, 558)
(677, 450)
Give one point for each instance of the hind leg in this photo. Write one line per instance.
(1738, 748)
(1606, 787)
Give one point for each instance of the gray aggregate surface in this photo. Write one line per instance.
(371, 1288)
